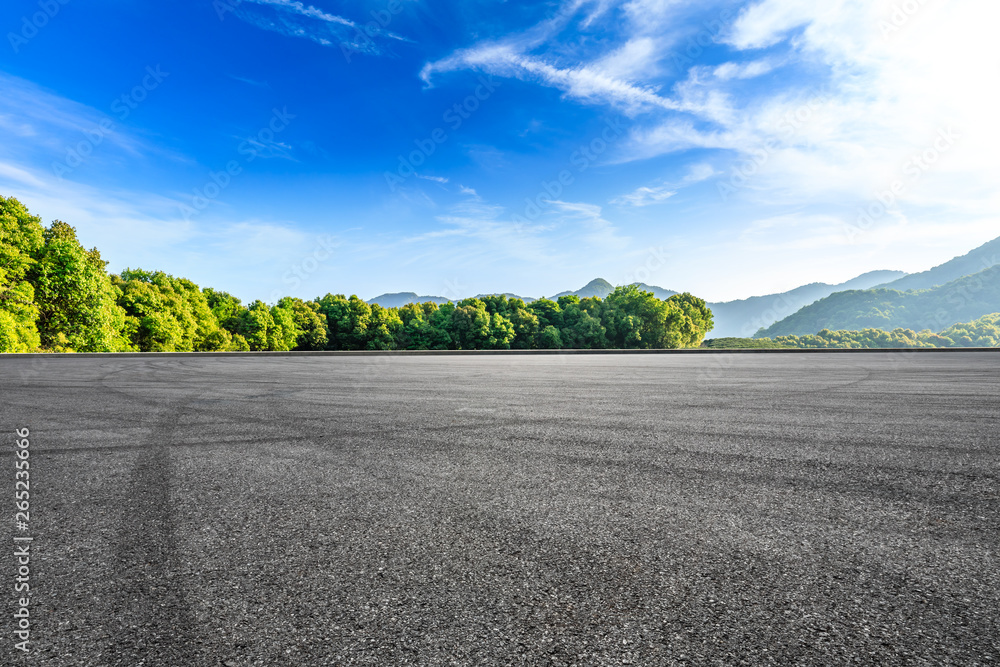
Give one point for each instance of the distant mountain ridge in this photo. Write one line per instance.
(601, 288)
(526, 299)
(742, 318)
(400, 299)
(963, 300)
(972, 262)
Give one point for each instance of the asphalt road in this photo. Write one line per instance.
(591, 510)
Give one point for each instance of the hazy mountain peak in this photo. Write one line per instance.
(972, 262)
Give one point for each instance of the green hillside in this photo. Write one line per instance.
(745, 316)
(984, 332)
(962, 300)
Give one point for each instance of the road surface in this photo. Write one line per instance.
(463, 510)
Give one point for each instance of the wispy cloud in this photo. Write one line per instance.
(436, 179)
(748, 70)
(297, 19)
(608, 79)
(47, 124)
(596, 231)
(647, 195)
(582, 82)
(139, 229)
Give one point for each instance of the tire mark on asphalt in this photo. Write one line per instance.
(158, 620)
(157, 627)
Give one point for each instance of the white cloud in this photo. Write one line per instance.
(645, 196)
(648, 195)
(582, 82)
(878, 96)
(598, 232)
(766, 23)
(41, 122)
(436, 179)
(630, 61)
(303, 10)
(754, 68)
(296, 19)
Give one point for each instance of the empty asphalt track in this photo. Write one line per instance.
(494, 509)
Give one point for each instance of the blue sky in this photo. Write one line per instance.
(271, 147)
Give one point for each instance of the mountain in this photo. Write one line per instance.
(742, 318)
(526, 299)
(963, 300)
(400, 299)
(601, 288)
(658, 292)
(598, 287)
(983, 257)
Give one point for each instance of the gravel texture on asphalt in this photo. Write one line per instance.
(508, 510)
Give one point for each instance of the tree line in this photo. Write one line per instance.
(56, 296)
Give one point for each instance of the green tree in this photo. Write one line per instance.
(21, 237)
(347, 321)
(168, 314)
(227, 309)
(525, 325)
(471, 325)
(548, 313)
(77, 301)
(383, 326)
(549, 339)
(416, 329)
(475, 328)
(984, 332)
(581, 330)
(285, 334)
(698, 318)
(637, 319)
(311, 325)
(257, 326)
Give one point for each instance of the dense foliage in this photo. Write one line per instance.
(57, 296)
